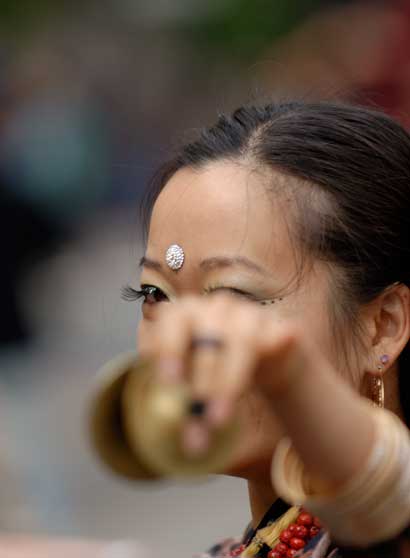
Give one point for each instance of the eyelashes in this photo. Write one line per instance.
(148, 293)
(129, 294)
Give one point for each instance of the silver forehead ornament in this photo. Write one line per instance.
(174, 257)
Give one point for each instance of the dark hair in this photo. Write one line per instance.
(359, 161)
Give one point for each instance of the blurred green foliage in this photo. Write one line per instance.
(17, 16)
(231, 27)
(246, 27)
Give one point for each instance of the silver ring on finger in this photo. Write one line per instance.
(207, 342)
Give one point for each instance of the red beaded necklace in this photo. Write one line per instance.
(291, 539)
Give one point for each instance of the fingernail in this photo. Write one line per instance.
(169, 369)
(219, 411)
(195, 439)
(197, 408)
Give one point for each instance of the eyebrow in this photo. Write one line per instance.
(150, 264)
(216, 262)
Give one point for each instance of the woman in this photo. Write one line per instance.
(293, 220)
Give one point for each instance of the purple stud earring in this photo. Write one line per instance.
(384, 359)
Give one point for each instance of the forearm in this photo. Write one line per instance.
(329, 425)
(344, 460)
(372, 506)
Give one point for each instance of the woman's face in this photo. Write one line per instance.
(235, 238)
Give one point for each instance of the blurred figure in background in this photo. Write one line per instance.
(53, 169)
(26, 236)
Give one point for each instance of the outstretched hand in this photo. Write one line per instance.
(224, 347)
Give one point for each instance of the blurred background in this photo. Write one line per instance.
(92, 96)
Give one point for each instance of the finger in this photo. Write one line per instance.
(195, 438)
(237, 365)
(172, 331)
(209, 344)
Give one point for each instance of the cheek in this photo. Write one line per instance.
(309, 308)
(335, 345)
(143, 337)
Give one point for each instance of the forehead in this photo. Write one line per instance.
(222, 209)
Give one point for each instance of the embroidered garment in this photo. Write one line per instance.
(321, 546)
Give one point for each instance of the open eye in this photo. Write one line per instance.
(152, 294)
(148, 293)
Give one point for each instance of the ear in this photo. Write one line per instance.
(388, 325)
